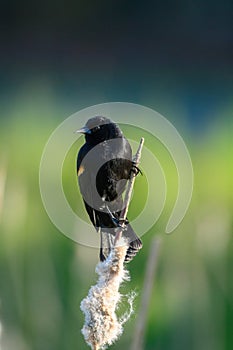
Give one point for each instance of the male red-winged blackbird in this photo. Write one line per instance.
(106, 148)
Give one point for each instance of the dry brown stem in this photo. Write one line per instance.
(129, 190)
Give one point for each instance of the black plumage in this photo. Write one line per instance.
(104, 165)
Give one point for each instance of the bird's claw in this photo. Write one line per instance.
(120, 222)
(135, 170)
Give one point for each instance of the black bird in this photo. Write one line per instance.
(104, 165)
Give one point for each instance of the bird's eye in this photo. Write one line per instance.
(96, 128)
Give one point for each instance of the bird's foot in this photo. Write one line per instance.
(120, 222)
(117, 222)
(134, 171)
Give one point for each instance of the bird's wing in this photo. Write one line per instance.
(86, 182)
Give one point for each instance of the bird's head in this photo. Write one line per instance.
(99, 129)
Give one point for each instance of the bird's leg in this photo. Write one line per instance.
(117, 222)
(111, 215)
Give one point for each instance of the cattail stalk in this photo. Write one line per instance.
(129, 190)
(102, 327)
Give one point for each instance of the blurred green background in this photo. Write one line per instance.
(174, 57)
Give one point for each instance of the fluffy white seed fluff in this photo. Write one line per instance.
(102, 327)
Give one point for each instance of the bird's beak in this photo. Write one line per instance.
(83, 130)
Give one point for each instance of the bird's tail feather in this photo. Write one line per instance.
(106, 244)
(134, 243)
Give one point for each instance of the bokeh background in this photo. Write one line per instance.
(59, 57)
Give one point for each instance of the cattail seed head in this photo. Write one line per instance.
(102, 326)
